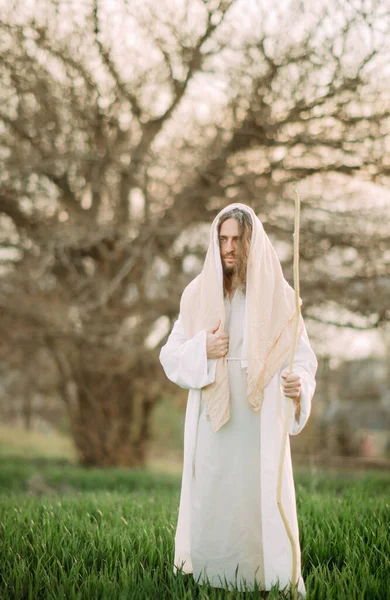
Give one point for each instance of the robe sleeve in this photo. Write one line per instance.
(305, 365)
(185, 360)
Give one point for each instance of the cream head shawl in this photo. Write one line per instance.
(268, 324)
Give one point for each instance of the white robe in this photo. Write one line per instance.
(228, 513)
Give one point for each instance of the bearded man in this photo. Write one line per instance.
(230, 347)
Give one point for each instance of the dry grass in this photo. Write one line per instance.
(16, 441)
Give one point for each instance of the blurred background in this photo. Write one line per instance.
(124, 128)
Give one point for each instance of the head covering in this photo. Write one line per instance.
(268, 323)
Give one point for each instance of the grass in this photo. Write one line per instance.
(49, 443)
(68, 532)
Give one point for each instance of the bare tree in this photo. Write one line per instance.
(117, 150)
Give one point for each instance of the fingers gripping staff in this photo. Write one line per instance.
(290, 403)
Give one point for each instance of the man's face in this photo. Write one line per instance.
(229, 245)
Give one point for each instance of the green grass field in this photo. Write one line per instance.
(68, 532)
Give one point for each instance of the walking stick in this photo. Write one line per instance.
(290, 400)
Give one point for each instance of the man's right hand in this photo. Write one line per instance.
(217, 343)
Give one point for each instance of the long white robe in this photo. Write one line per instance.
(229, 528)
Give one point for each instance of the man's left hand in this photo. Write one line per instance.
(291, 385)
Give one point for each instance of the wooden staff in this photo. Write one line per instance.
(290, 400)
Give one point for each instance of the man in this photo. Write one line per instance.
(230, 346)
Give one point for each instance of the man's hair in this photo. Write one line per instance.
(244, 221)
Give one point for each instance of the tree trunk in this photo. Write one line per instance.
(110, 421)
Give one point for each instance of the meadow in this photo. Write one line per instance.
(68, 532)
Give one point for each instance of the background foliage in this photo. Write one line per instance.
(124, 128)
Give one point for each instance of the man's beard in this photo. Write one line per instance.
(236, 270)
(229, 271)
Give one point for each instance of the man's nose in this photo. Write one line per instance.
(229, 246)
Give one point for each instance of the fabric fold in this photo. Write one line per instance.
(269, 320)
